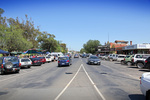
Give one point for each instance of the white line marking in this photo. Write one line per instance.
(68, 84)
(93, 84)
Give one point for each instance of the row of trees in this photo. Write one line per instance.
(16, 35)
(91, 46)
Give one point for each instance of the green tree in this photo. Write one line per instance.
(48, 42)
(82, 50)
(15, 40)
(91, 46)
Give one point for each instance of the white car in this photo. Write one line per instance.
(120, 58)
(145, 85)
(48, 59)
(25, 62)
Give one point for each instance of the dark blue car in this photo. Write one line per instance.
(9, 64)
(64, 61)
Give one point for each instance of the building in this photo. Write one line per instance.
(137, 48)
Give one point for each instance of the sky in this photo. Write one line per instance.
(74, 22)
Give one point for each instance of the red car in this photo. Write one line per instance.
(42, 59)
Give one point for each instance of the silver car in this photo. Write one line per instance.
(94, 60)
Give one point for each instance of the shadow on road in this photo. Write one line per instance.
(144, 70)
(137, 97)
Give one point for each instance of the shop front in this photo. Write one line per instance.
(137, 48)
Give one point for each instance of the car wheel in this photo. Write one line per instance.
(122, 62)
(29, 66)
(2, 72)
(140, 65)
(148, 95)
(129, 63)
(17, 71)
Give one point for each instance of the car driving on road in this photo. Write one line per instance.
(63, 61)
(94, 60)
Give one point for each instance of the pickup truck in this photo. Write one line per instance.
(145, 85)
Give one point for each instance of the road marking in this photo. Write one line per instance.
(93, 84)
(68, 84)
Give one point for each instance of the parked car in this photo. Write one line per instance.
(76, 56)
(128, 60)
(110, 57)
(63, 61)
(139, 60)
(51, 56)
(9, 64)
(48, 59)
(120, 58)
(42, 59)
(114, 57)
(84, 56)
(25, 62)
(36, 61)
(145, 85)
(147, 63)
(94, 60)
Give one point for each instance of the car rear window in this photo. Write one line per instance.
(63, 58)
(47, 57)
(11, 59)
(25, 60)
(121, 56)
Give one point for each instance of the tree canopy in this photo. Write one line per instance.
(91, 46)
(16, 35)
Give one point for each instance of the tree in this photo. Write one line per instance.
(48, 42)
(91, 46)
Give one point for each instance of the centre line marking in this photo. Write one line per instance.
(93, 84)
(68, 84)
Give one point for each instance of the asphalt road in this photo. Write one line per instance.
(80, 81)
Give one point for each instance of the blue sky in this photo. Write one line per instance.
(74, 22)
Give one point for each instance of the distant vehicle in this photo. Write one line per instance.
(25, 62)
(42, 59)
(120, 58)
(145, 85)
(36, 61)
(63, 61)
(147, 63)
(48, 59)
(84, 56)
(128, 60)
(76, 56)
(94, 60)
(59, 54)
(9, 64)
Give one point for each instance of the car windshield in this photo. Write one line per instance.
(25, 60)
(11, 59)
(63, 58)
(94, 57)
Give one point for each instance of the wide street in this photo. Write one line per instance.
(80, 81)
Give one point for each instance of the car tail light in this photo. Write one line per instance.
(35, 61)
(31, 62)
(132, 60)
(19, 64)
(58, 61)
(124, 59)
(2, 66)
(146, 61)
(67, 60)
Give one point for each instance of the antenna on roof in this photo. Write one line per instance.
(108, 36)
